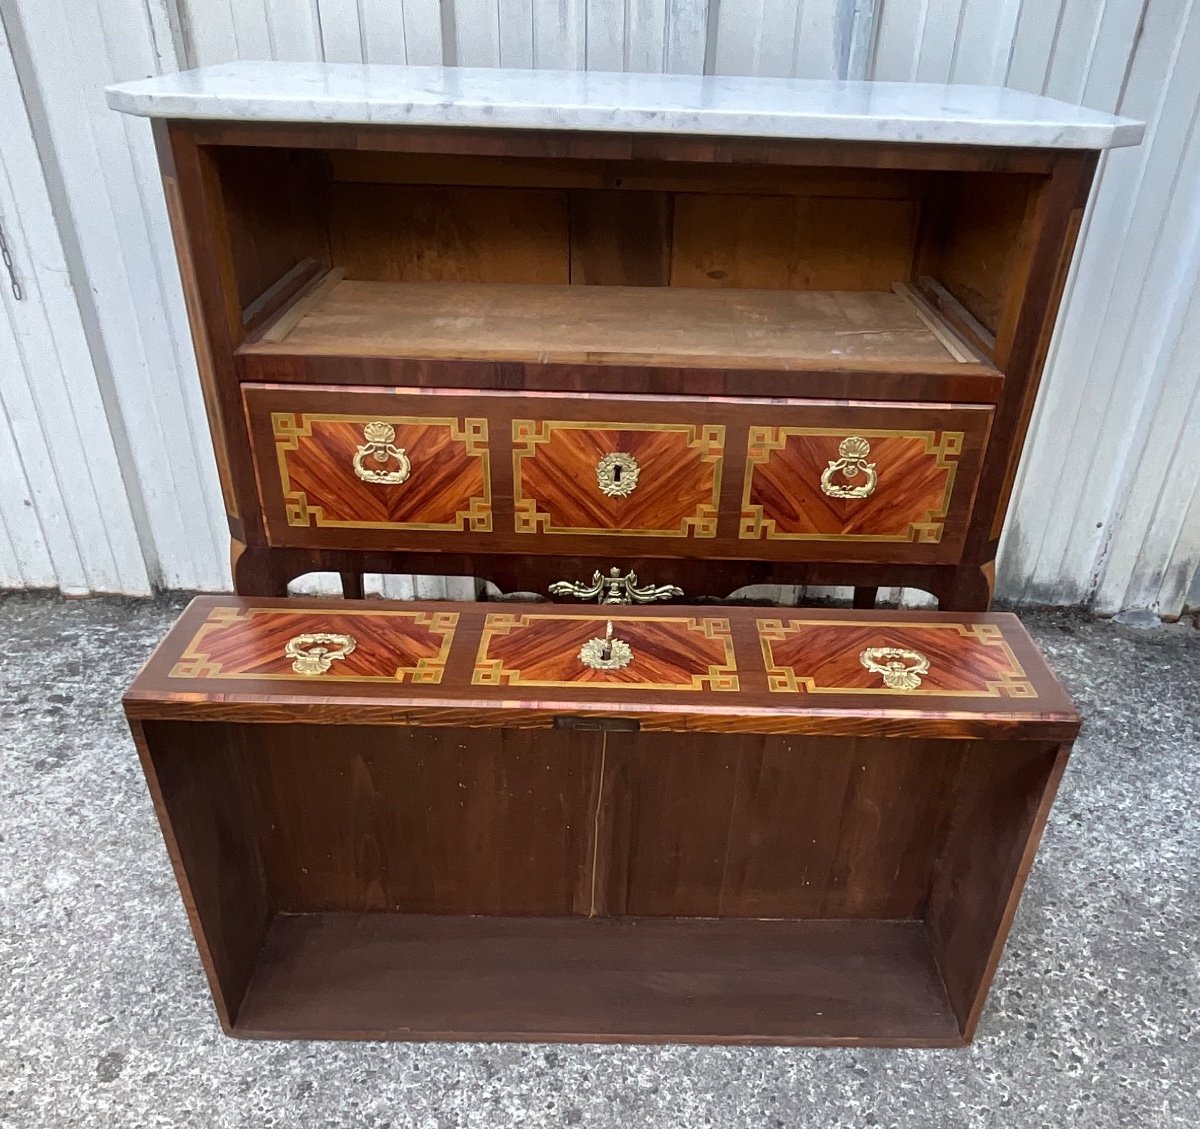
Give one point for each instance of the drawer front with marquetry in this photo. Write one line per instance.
(518, 472)
(865, 481)
(626, 479)
(336, 470)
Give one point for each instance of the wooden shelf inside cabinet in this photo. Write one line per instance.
(885, 331)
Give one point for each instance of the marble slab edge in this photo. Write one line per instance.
(793, 109)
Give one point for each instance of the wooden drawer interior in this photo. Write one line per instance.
(378, 882)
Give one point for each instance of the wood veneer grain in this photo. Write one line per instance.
(614, 324)
(184, 678)
(386, 976)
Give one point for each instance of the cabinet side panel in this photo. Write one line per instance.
(1023, 337)
(206, 267)
(1000, 808)
(196, 778)
(274, 213)
(980, 231)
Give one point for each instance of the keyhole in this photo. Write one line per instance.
(617, 473)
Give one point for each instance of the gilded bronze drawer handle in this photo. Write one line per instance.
(617, 474)
(608, 653)
(901, 669)
(853, 462)
(380, 446)
(615, 589)
(315, 653)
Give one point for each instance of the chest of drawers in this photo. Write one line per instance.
(705, 824)
(780, 344)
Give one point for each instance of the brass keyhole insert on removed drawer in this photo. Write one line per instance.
(606, 653)
(617, 474)
(380, 446)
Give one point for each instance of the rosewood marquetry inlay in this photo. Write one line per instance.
(740, 671)
(815, 656)
(249, 643)
(556, 487)
(798, 486)
(668, 653)
(446, 483)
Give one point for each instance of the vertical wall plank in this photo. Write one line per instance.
(559, 30)
(209, 34)
(816, 49)
(252, 29)
(1033, 45)
(340, 31)
(605, 35)
(476, 33)
(1079, 25)
(1111, 360)
(899, 28)
(984, 38)
(81, 523)
(516, 33)
(423, 33)
(645, 36)
(687, 36)
(383, 31)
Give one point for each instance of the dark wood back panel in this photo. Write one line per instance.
(424, 233)
(695, 824)
(439, 233)
(412, 820)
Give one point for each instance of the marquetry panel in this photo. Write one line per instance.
(448, 487)
(557, 488)
(915, 484)
(251, 643)
(683, 653)
(822, 656)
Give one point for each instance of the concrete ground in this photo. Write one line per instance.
(105, 1019)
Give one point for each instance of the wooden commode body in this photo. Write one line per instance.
(627, 339)
(809, 343)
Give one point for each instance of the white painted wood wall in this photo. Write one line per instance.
(107, 481)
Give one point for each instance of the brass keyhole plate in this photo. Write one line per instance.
(617, 474)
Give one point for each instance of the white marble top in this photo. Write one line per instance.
(358, 93)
